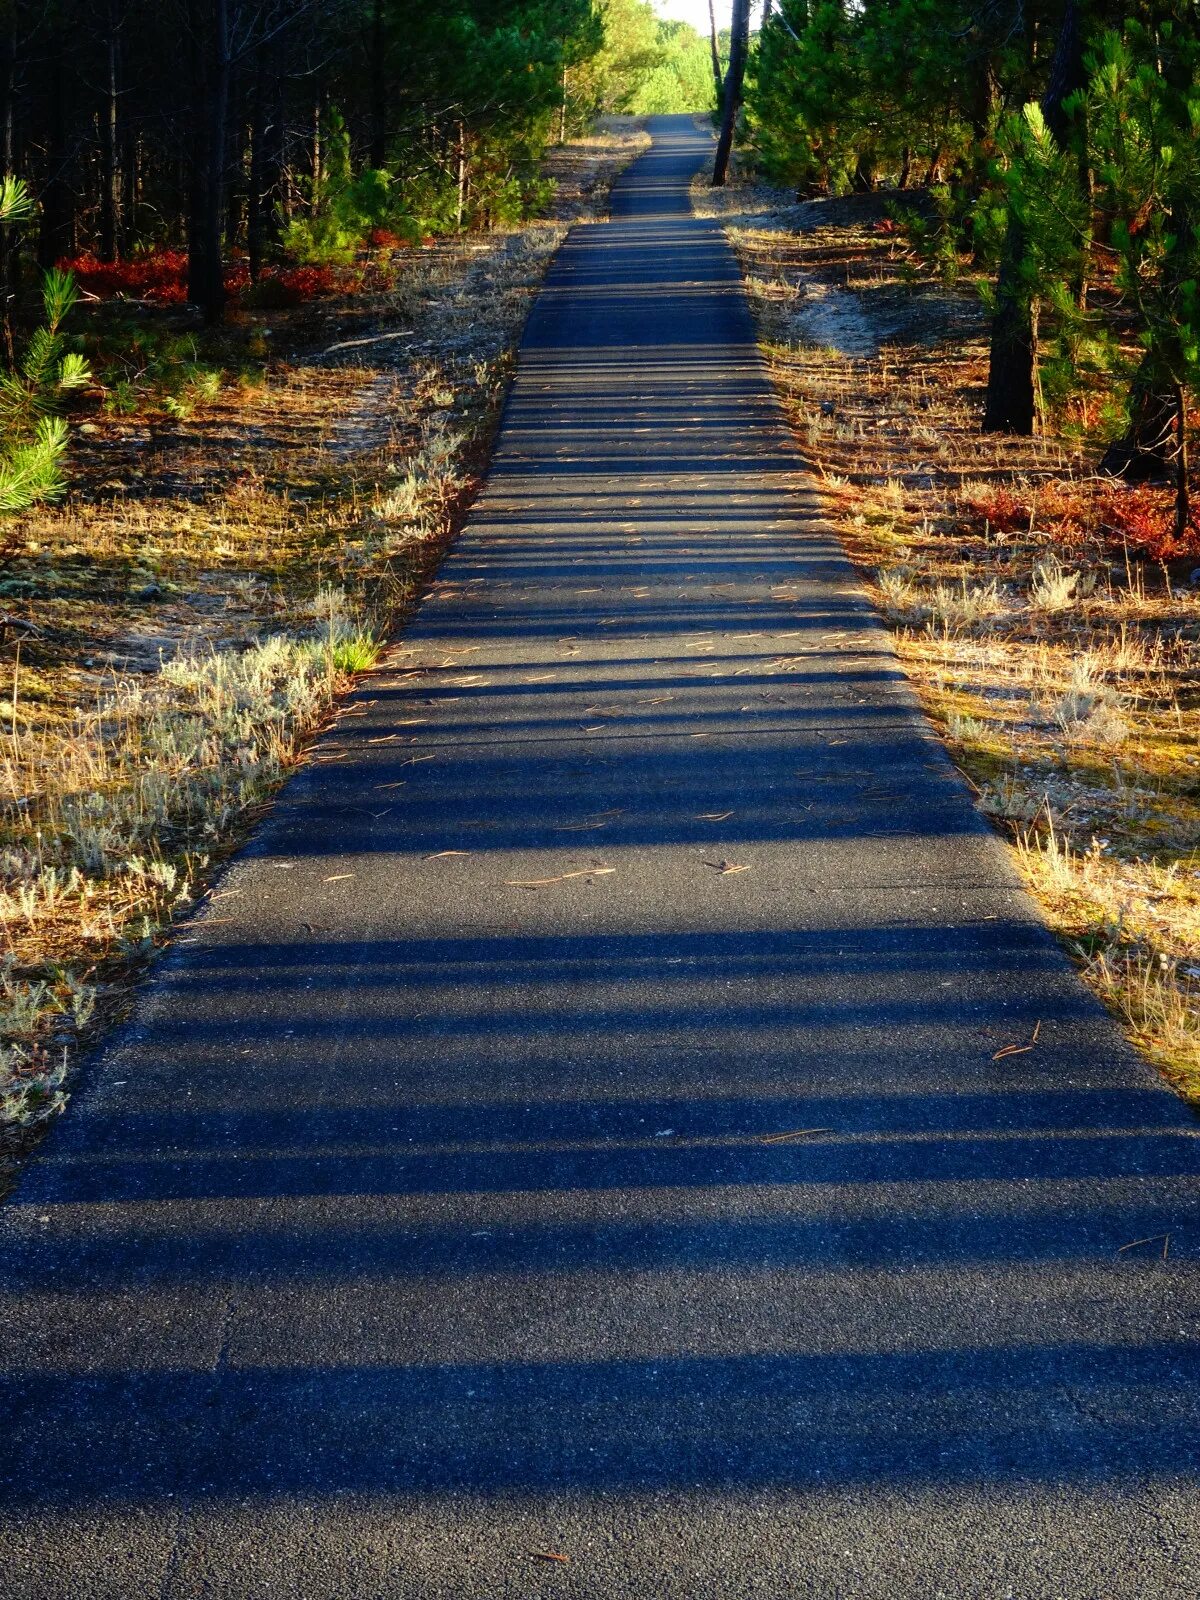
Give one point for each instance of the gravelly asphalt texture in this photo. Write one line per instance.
(434, 1213)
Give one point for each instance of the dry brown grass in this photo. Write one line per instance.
(1064, 676)
(174, 633)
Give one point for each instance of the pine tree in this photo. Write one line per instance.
(1144, 118)
(33, 438)
(1035, 170)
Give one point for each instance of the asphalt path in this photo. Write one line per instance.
(584, 1126)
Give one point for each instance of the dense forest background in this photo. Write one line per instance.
(218, 151)
(260, 132)
(1052, 147)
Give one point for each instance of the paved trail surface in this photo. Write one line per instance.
(449, 1200)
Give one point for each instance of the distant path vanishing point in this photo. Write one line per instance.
(586, 1126)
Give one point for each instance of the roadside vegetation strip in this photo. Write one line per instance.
(191, 615)
(1054, 640)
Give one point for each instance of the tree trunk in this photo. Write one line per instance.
(256, 198)
(718, 74)
(1145, 449)
(9, 247)
(58, 200)
(863, 181)
(316, 171)
(130, 160)
(210, 108)
(237, 188)
(1183, 505)
(8, 92)
(213, 303)
(1066, 74)
(110, 163)
(1010, 406)
(731, 95)
(982, 114)
(461, 177)
(378, 152)
(1012, 391)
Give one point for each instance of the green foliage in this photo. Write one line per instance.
(936, 231)
(629, 56)
(1143, 112)
(1042, 193)
(16, 203)
(144, 365)
(354, 652)
(47, 372)
(31, 468)
(835, 91)
(1079, 354)
(1137, 127)
(498, 68)
(646, 66)
(345, 208)
(804, 96)
(33, 438)
(1041, 179)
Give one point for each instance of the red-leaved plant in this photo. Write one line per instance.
(160, 276)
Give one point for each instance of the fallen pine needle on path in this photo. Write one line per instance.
(1154, 1238)
(794, 1133)
(1018, 1049)
(541, 883)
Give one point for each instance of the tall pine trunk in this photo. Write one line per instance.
(714, 46)
(57, 196)
(130, 180)
(982, 112)
(1012, 357)
(257, 198)
(731, 94)
(1183, 498)
(213, 303)
(210, 110)
(316, 170)
(110, 161)
(378, 152)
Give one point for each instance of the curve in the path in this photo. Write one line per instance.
(584, 1128)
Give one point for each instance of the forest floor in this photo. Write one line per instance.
(1059, 661)
(251, 512)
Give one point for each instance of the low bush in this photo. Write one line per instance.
(160, 276)
(280, 288)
